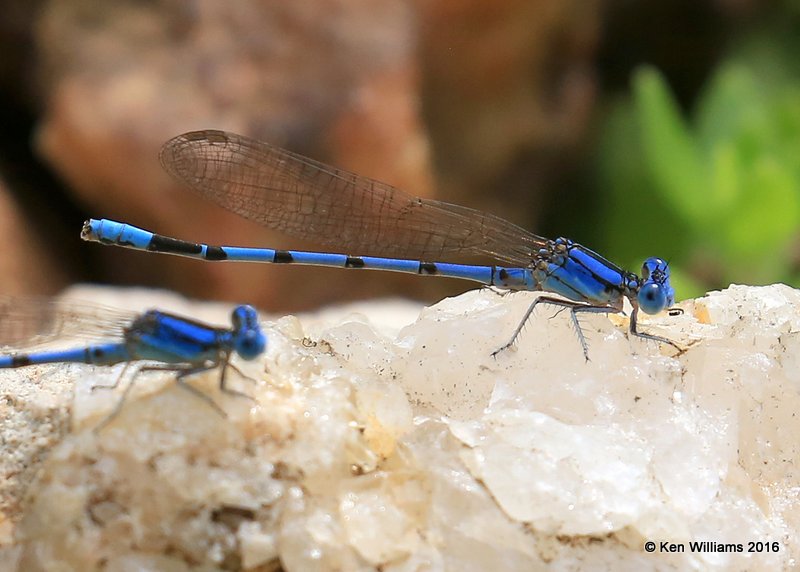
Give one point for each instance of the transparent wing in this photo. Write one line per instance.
(29, 322)
(357, 215)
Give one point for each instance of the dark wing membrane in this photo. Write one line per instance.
(27, 322)
(357, 215)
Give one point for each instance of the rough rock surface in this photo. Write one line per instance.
(371, 445)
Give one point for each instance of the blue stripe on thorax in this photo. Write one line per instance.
(172, 339)
(583, 276)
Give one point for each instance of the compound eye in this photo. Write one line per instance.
(244, 315)
(250, 341)
(251, 344)
(652, 298)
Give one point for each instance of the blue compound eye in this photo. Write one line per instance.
(653, 298)
(251, 344)
(656, 292)
(249, 340)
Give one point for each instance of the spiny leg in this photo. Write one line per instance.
(574, 308)
(497, 291)
(592, 310)
(225, 364)
(634, 331)
(521, 325)
(116, 383)
(131, 350)
(121, 401)
(242, 374)
(184, 370)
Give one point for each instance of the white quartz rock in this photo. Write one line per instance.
(409, 447)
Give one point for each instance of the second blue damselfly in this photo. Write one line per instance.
(168, 341)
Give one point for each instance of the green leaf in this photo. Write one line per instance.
(765, 217)
(729, 106)
(670, 150)
(636, 221)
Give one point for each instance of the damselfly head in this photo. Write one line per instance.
(656, 293)
(248, 339)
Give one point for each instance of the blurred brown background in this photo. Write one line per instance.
(490, 104)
